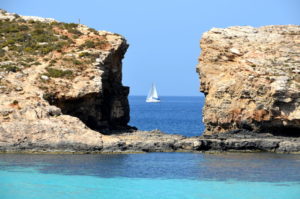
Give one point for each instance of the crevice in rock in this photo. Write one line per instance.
(282, 131)
(98, 111)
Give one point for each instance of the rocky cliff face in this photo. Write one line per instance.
(58, 83)
(61, 90)
(251, 79)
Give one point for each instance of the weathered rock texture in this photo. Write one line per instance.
(251, 79)
(155, 141)
(58, 140)
(53, 73)
(61, 91)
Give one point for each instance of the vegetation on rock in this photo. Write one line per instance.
(57, 73)
(10, 68)
(35, 38)
(50, 68)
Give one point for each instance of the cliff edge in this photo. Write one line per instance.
(61, 91)
(60, 83)
(251, 79)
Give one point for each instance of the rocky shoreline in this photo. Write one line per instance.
(242, 141)
(63, 93)
(156, 141)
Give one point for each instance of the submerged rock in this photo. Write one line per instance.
(250, 79)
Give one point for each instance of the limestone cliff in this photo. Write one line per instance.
(61, 90)
(58, 83)
(251, 79)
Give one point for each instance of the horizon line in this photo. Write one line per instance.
(201, 95)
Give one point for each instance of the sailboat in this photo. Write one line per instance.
(152, 95)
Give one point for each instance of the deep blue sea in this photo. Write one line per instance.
(175, 115)
(153, 175)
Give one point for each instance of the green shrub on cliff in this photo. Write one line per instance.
(94, 44)
(84, 54)
(30, 37)
(9, 27)
(94, 31)
(57, 73)
(10, 68)
(70, 27)
(102, 43)
(88, 44)
(42, 35)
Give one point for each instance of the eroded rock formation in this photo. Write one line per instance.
(61, 90)
(251, 79)
(59, 83)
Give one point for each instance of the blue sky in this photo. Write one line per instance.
(163, 35)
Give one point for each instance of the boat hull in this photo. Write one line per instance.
(152, 100)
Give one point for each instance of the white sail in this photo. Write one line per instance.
(152, 95)
(154, 92)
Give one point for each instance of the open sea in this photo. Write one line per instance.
(175, 115)
(153, 175)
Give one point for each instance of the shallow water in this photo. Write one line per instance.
(175, 115)
(153, 175)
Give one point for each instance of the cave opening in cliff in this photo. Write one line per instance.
(89, 109)
(97, 111)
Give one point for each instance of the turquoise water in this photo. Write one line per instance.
(176, 115)
(33, 185)
(153, 175)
